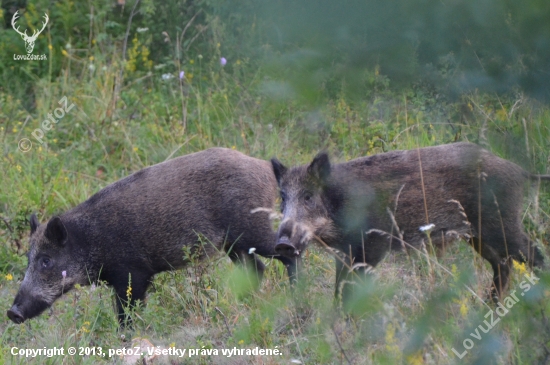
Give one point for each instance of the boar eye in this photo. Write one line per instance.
(45, 263)
(307, 197)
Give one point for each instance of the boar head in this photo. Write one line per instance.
(306, 201)
(50, 271)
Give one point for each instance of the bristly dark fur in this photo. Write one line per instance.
(373, 204)
(137, 227)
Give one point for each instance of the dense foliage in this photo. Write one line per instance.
(153, 80)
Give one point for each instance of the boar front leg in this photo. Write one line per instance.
(250, 262)
(352, 268)
(293, 267)
(341, 287)
(500, 264)
(129, 288)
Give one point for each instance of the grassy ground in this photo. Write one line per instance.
(415, 310)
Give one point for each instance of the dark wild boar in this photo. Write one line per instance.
(370, 205)
(138, 226)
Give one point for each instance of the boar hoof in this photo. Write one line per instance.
(15, 315)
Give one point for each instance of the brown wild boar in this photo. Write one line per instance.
(370, 205)
(138, 226)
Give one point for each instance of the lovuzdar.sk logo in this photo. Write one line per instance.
(29, 40)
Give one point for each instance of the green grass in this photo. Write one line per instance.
(413, 311)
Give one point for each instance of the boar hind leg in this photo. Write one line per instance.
(501, 268)
(130, 288)
(250, 262)
(501, 278)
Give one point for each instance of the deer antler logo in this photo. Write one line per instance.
(29, 41)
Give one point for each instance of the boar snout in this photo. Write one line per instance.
(25, 307)
(285, 248)
(15, 315)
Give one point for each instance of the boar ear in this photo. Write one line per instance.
(56, 231)
(278, 168)
(34, 223)
(319, 168)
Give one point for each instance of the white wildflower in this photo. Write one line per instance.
(427, 227)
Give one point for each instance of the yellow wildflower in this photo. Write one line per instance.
(391, 343)
(9, 277)
(19, 168)
(129, 291)
(502, 114)
(454, 271)
(64, 53)
(519, 267)
(415, 359)
(464, 308)
(85, 327)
